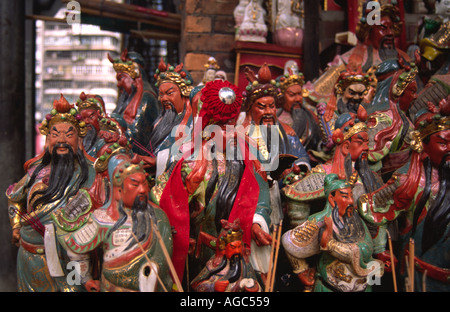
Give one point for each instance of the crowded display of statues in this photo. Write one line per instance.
(203, 187)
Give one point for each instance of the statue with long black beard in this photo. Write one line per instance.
(126, 230)
(52, 178)
(417, 196)
(229, 269)
(341, 240)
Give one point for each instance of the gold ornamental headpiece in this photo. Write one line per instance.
(349, 124)
(290, 79)
(124, 64)
(63, 112)
(437, 43)
(429, 121)
(231, 232)
(348, 78)
(212, 64)
(168, 73)
(259, 86)
(405, 78)
(88, 101)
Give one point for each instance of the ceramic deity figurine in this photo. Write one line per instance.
(388, 120)
(351, 90)
(51, 179)
(238, 14)
(229, 270)
(101, 129)
(289, 23)
(133, 233)
(417, 196)
(173, 125)
(376, 43)
(253, 27)
(340, 238)
(295, 113)
(305, 194)
(216, 179)
(137, 106)
(261, 101)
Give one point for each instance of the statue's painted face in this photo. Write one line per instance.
(233, 248)
(343, 201)
(135, 185)
(408, 96)
(264, 111)
(382, 35)
(438, 147)
(354, 93)
(293, 95)
(60, 134)
(357, 144)
(125, 82)
(169, 93)
(91, 117)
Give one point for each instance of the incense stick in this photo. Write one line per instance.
(391, 253)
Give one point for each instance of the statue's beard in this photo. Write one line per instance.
(366, 174)
(124, 99)
(62, 170)
(168, 120)
(226, 190)
(90, 139)
(351, 228)
(140, 219)
(351, 106)
(387, 49)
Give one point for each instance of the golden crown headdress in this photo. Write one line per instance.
(290, 79)
(63, 112)
(125, 64)
(348, 78)
(259, 86)
(91, 102)
(231, 232)
(435, 119)
(349, 124)
(405, 78)
(168, 73)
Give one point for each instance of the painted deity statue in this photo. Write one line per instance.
(376, 43)
(101, 129)
(131, 231)
(340, 238)
(289, 23)
(137, 106)
(260, 104)
(350, 91)
(253, 27)
(216, 179)
(435, 55)
(51, 179)
(417, 196)
(229, 270)
(173, 126)
(388, 121)
(349, 161)
(297, 115)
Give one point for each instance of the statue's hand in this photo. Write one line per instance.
(16, 237)
(307, 277)
(260, 237)
(92, 285)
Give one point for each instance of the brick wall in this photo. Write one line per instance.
(208, 30)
